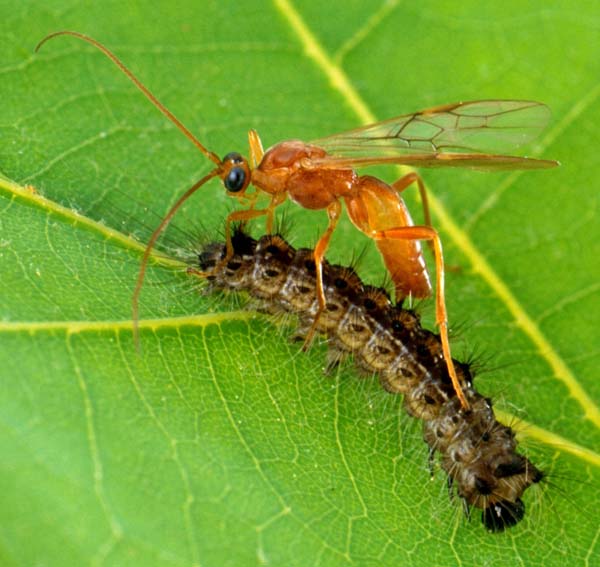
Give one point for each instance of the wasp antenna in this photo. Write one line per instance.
(210, 155)
(135, 300)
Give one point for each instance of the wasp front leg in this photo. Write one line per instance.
(236, 216)
(241, 216)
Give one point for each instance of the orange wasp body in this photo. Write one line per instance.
(320, 175)
(372, 205)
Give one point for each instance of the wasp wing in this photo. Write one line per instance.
(465, 134)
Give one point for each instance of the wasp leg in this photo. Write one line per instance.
(430, 234)
(333, 211)
(405, 182)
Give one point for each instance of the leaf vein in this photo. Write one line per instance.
(363, 33)
(116, 530)
(340, 82)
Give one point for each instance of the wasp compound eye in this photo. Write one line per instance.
(233, 157)
(235, 179)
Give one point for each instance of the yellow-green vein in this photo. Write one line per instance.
(526, 429)
(30, 196)
(74, 327)
(340, 82)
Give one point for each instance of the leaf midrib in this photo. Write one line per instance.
(340, 82)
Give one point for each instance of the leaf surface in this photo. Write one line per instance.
(222, 444)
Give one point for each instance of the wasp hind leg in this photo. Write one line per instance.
(430, 234)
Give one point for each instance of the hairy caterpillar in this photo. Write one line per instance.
(478, 453)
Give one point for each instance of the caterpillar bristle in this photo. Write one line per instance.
(477, 452)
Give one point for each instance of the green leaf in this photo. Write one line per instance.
(221, 444)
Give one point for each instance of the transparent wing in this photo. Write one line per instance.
(466, 134)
